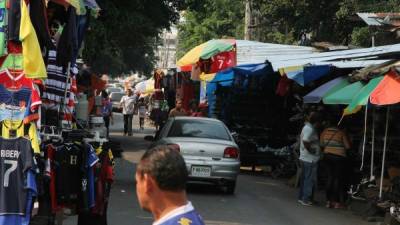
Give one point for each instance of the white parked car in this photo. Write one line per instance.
(209, 150)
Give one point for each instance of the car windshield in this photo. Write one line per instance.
(116, 96)
(113, 89)
(199, 129)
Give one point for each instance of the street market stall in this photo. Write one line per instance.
(57, 156)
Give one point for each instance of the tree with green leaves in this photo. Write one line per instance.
(125, 35)
(281, 21)
(210, 19)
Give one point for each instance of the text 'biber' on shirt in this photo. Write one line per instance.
(16, 159)
(184, 215)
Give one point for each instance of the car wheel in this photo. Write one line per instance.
(230, 187)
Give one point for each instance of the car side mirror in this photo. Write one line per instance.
(149, 138)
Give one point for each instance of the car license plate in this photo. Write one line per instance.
(201, 171)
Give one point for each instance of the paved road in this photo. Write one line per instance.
(259, 200)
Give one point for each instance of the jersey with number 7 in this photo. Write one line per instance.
(16, 159)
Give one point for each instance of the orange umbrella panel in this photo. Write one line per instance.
(388, 90)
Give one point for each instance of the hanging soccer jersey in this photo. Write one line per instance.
(20, 81)
(20, 98)
(13, 61)
(15, 160)
(11, 219)
(33, 60)
(71, 179)
(17, 128)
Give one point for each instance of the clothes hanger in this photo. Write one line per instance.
(96, 139)
(53, 133)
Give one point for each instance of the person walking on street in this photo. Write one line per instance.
(128, 108)
(178, 110)
(335, 143)
(161, 177)
(142, 112)
(309, 156)
(107, 111)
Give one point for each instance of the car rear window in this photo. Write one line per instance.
(199, 129)
(116, 96)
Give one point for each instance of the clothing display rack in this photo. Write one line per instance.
(51, 168)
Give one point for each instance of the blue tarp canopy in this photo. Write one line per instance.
(304, 75)
(226, 78)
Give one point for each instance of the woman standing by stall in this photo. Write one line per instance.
(335, 143)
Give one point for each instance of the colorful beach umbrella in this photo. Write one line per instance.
(317, 94)
(206, 51)
(362, 97)
(382, 90)
(344, 95)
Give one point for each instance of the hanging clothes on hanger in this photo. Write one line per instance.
(16, 128)
(71, 181)
(34, 66)
(39, 20)
(19, 185)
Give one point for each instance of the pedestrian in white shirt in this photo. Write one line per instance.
(310, 153)
(128, 108)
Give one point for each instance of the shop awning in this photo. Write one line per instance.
(305, 74)
(326, 89)
(344, 95)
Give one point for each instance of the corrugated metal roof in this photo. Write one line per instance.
(249, 52)
(302, 59)
(381, 19)
(352, 64)
(369, 18)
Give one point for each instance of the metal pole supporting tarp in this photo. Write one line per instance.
(384, 152)
(372, 177)
(365, 137)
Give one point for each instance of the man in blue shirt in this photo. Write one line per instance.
(161, 177)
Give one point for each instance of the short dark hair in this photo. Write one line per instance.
(166, 166)
(315, 117)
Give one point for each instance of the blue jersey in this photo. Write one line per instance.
(11, 219)
(185, 215)
(91, 161)
(16, 159)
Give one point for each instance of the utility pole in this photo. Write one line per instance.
(247, 21)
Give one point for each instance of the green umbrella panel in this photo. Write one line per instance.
(216, 46)
(343, 96)
(362, 97)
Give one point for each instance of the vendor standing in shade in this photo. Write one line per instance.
(178, 110)
(128, 108)
(335, 143)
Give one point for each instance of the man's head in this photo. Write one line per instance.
(141, 100)
(160, 173)
(178, 104)
(315, 119)
(129, 92)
